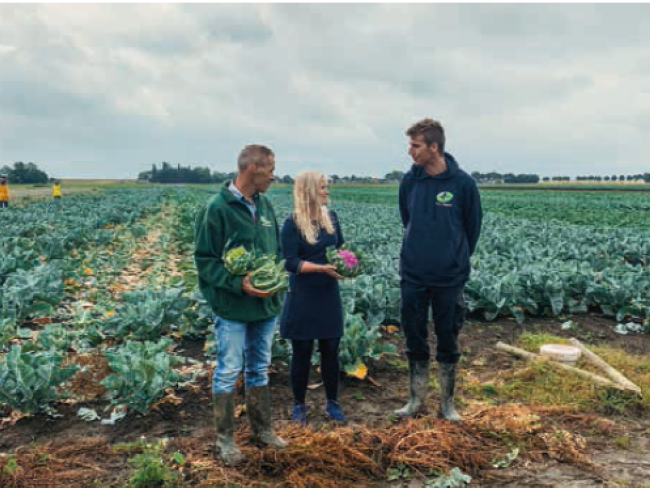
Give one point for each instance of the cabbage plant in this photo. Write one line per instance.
(29, 380)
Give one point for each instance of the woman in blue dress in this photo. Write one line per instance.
(312, 308)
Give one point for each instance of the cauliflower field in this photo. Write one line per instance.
(102, 271)
(101, 321)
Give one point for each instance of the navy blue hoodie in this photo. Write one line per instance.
(442, 217)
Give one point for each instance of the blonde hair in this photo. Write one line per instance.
(306, 204)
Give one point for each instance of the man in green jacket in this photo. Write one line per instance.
(244, 322)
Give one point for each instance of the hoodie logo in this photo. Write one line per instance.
(264, 222)
(444, 197)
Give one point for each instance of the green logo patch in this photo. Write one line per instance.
(264, 222)
(444, 197)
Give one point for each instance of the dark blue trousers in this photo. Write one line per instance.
(449, 310)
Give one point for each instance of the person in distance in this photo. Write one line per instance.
(4, 191)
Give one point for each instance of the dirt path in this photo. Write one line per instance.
(132, 273)
(147, 257)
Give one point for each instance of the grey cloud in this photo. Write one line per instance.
(189, 28)
(163, 44)
(28, 94)
(519, 87)
(235, 23)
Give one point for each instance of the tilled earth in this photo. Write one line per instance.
(366, 402)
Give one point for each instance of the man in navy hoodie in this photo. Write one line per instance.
(441, 213)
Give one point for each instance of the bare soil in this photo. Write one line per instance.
(85, 446)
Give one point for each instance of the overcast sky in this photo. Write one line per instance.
(107, 90)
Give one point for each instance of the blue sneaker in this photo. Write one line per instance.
(333, 411)
(299, 414)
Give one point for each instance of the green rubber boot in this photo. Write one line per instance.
(224, 424)
(258, 408)
(447, 380)
(418, 386)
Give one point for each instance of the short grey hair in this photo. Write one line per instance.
(253, 153)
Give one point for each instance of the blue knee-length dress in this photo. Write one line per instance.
(312, 306)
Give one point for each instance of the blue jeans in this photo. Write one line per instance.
(239, 344)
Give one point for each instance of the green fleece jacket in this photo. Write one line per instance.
(224, 218)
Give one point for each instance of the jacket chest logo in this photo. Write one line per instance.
(444, 198)
(264, 222)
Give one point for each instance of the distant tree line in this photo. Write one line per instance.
(392, 177)
(491, 177)
(177, 173)
(494, 177)
(30, 173)
(638, 177)
(168, 173)
(22, 173)
(556, 178)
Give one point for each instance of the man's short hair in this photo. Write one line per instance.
(432, 132)
(253, 153)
